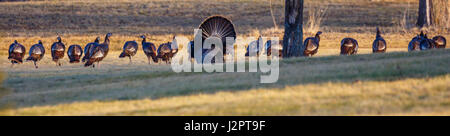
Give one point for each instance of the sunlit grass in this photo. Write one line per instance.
(391, 83)
(428, 96)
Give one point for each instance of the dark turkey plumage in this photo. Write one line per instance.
(98, 52)
(379, 44)
(57, 49)
(74, 53)
(414, 44)
(149, 50)
(312, 44)
(36, 53)
(191, 49)
(349, 46)
(129, 49)
(165, 52)
(192, 52)
(88, 47)
(426, 43)
(16, 53)
(269, 45)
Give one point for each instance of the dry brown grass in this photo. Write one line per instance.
(315, 18)
(440, 13)
(79, 22)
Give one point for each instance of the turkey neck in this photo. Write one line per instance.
(378, 33)
(143, 40)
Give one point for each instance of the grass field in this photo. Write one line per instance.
(395, 83)
(79, 22)
(376, 84)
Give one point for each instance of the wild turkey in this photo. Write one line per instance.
(58, 48)
(312, 44)
(379, 44)
(37, 52)
(88, 47)
(440, 41)
(426, 43)
(414, 44)
(129, 50)
(253, 49)
(217, 26)
(149, 50)
(98, 52)
(74, 53)
(268, 47)
(165, 52)
(16, 53)
(349, 46)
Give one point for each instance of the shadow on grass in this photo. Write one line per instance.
(131, 84)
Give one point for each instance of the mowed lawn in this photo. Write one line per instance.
(398, 83)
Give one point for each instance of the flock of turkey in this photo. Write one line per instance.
(349, 46)
(95, 52)
(214, 26)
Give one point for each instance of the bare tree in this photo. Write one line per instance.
(293, 28)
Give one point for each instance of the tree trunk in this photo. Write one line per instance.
(293, 28)
(440, 13)
(425, 9)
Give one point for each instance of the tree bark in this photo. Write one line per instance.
(293, 29)
(425, 10)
